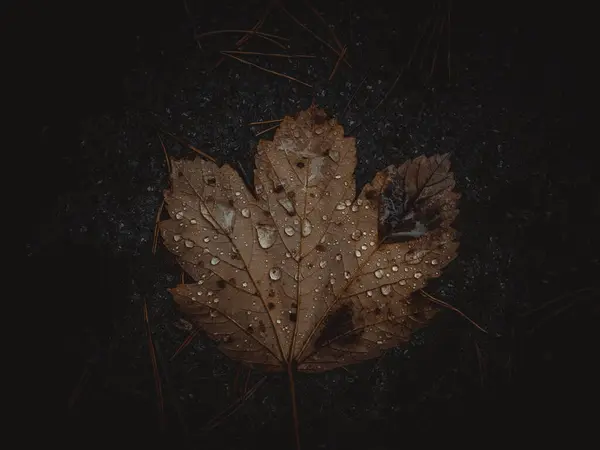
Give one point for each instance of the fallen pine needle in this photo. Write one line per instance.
(324, 42)
(157, 382)
(267, 130)
(265, 122)
(337, 63)
(279, 55)
(258, 33)
(191, 147)
(231, 409)
(449, 306)
(190, 337)
(156, 221)
(336, 40)
(166, 155)
(267, 70)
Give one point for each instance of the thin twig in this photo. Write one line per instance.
(264, 122)
(337, 52)
(279, 55)
(266, 131)
(267, 70)
(337, 63)
(449, 306)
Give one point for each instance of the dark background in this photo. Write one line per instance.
(506, 89)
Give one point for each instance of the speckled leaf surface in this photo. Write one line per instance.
(302, 270)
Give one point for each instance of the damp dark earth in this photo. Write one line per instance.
(503, 90)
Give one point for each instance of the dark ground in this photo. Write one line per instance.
(508, 106)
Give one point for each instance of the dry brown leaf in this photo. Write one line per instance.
(301, 272)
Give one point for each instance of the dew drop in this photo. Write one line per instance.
(287, 205)
(332, 280)
(189, 244)
(358, 253)
(213, 313)
(369, 293)
(216, 300)
(177, 238)
(354, 208)
(225, 216)
(275, 273)
(206, 239)
(179, 215)
(322, 264)
(193, 221)
(318, 130)
(278, 321)
(338, 257)
(340, 206)
(267, 235)
(402, 282)
(246, 212)
(395, 268)
(306, 227)
(347, 275)
(386, 290)
(434, 262)
(289, 230)
(418, 275)
(379, 273)
(356, 234)
(244, 284)
(363, 247)
(334, 155)
(214, 261)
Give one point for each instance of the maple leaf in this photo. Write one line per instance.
(301, 272)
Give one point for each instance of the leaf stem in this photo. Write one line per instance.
(290, 371)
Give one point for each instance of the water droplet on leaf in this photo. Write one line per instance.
(275, 273)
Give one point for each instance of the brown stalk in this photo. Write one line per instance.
(290, 371)
(267, 70)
